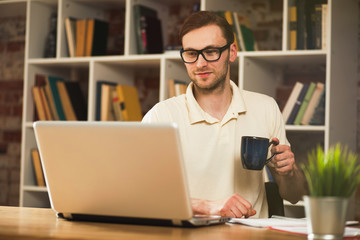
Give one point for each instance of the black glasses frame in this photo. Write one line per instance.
(221, 49)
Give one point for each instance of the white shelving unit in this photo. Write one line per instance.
(261, 71)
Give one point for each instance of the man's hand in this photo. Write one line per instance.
(284, 161)
(234, 206)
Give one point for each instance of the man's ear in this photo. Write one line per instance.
(233, 52)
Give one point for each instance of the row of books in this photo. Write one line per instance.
(57, 99)
(86, 37)
(117, 102)
(149, 37)
(305, 105)
(308, 23)
(243, 34)
(176, 87)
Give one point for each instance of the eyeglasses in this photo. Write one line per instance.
(210, 54)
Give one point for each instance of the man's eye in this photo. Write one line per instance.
(211, 51)
(191, 53)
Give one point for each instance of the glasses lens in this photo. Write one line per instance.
(211, 54)
(189, 55)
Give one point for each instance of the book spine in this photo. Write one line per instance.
(304, 104)
(292, 27)
(291, 100)
(297, 104)
(318, 23)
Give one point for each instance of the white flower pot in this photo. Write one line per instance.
(326, 217)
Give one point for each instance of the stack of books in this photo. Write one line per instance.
(86, 37)
(305, 105)
(308, 23)
(117, 102)
(56, 99)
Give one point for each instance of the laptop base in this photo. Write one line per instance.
(200, 221)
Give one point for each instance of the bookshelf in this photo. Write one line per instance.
(260, 71)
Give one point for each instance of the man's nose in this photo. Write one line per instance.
(201, 61)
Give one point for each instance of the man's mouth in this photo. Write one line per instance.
(202, 74)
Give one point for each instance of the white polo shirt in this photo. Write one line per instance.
(211, 148)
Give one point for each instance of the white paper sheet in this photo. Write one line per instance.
(290, 225)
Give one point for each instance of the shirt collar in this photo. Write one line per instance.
(197, 114)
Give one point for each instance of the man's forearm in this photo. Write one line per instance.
(292, 187)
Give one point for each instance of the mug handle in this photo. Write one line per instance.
(275, 143)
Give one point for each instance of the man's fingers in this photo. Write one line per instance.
(236, 206)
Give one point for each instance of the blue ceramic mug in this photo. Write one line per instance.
(254, 151)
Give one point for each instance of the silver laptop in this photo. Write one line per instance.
(127, 172)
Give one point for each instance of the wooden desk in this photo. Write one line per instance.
(36, 223)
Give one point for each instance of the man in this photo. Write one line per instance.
(213, 115)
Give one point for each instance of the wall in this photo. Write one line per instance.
(12, 37)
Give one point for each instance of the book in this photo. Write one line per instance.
(246, 37)
(45, 103)
(301, 25)
(291, 100)
(176, 87)
(318, 118)
(39, 174)
(65, 101)
(129, 98)
(297, 104)
(70, 29)
(54, 92)
(80, 37)
(180, 88)
(139, 11)
(313, 103)
(318, 27)
(292, 27)
(107, 111)
(98, 97)
(77, 100)
(229, 18)
(324, 22)
(50, 42)
(117, 106)
(237, 29)
(39, 106)
(40, 81)
(151, 34)
(96, 37)
(304, 103)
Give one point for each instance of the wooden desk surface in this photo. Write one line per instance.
(37, 223)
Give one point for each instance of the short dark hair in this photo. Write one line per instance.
(205, 18)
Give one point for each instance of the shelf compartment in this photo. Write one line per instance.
(39, 23)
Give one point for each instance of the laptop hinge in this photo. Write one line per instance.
(176, 222)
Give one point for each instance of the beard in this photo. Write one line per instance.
(216, 82)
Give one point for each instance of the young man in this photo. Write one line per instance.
(213, 115)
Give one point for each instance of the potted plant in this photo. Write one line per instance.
(332, 179)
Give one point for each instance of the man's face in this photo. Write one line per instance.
(208, 75)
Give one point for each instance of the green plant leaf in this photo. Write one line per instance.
(336, 173)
